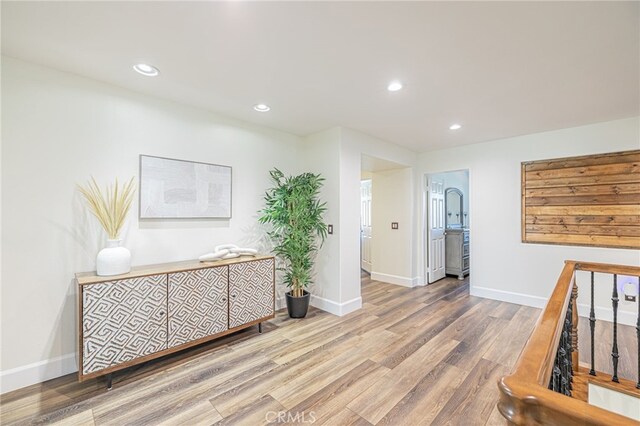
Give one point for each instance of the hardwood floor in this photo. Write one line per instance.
(627, 348)
(426, 355)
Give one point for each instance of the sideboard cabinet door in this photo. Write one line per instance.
(198, 305)
(251, 291)
(123, 320)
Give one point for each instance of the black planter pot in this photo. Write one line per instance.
(298, 306)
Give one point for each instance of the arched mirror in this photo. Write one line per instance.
(454, 208)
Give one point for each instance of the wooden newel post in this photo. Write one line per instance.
(575, 359)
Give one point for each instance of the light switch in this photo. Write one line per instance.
(394, 225)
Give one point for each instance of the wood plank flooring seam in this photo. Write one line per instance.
(410, 356)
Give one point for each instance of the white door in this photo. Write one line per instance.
(435, 216)
(365, 225)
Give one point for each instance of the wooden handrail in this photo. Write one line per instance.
(525, 398)
(606, 268)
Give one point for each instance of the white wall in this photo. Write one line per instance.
(353, 145)
(58, 130)
(337, 154)
(502, 267)
(321, 154)
(392, 201)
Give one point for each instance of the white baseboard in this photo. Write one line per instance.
(395, 279)
(327, 305)
(281, 302)
(604, 314)
(508, 296)
(336, 308)
(419, 282)
(42, 371)
(37, 372)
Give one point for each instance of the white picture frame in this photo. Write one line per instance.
(182, 189)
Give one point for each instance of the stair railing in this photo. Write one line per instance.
(540, 391)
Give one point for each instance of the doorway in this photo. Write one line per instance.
(447, 218)
(365, 225)
(386, 205)
(436, 229)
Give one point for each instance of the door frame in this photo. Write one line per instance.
(362, 266)
(425, 231)
(427, 226)
(425, 217)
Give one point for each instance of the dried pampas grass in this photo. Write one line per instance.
(111, 207)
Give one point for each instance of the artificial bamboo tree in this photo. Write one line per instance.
(294, 210)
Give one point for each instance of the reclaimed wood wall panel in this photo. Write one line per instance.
(591, 200)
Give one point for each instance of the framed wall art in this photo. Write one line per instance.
(592, 200)
(180, 189)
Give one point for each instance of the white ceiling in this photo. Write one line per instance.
(374, 164)
(499, 68)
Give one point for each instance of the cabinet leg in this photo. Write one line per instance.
(259, 327)
(109, 381)
(461, 277)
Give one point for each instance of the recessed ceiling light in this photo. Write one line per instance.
(146, 69)
(261, 107)
(455, 126)
(394, 86)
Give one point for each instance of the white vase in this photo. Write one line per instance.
(113, 259)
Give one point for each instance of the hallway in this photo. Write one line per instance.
(424, 355)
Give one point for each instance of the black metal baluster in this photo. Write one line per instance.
(614, 349)
(555, 379)
(592, 325)
(570, 346)
(555, 374)
(562, 374)
(638, 335)
(562, 355)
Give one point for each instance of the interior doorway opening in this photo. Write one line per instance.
(385, 191)
(365, 224)
(447, 231)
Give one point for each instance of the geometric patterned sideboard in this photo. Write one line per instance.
(197, 304)
(155, 310)
(251, 291)
(123, 320)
